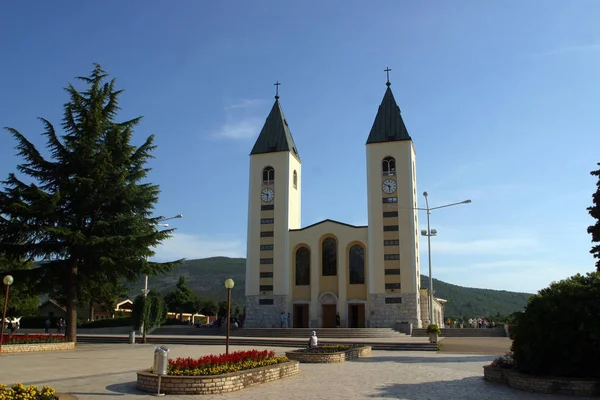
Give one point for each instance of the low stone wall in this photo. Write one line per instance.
(216, 384)
(329, 358)
(26, 348)
(541, 384)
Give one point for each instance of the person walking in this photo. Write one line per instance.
(313, 341)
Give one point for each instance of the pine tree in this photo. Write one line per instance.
(87, 210)
(594, 211)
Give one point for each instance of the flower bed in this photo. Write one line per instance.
(20, 391)
(32, 339)
(503, 370)
(218, 373)
(329, 353)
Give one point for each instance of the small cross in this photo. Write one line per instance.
(276, 84)
(387, 71)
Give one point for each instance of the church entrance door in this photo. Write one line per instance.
(356, 315)
(329, 313)
(300, 315)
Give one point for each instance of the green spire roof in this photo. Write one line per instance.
(275, 135)
(388, 125)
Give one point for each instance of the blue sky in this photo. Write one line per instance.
(500, 98)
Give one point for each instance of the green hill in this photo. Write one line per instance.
(206, 276)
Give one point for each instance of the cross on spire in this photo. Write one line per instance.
(276, 84)
(387, 71)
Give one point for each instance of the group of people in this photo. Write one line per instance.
(61, 324)
(479, 322)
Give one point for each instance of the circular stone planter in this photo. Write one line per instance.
(215, 384)
(542, 384)
(328, 358)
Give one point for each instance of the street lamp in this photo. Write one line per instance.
(145, 290)
(229, 283)
(429, 233)
(8, 280)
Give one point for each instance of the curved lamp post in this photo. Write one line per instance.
(429, 233)
(229, 284)
(8, 280)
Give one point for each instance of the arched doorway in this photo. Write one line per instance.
(328, 302)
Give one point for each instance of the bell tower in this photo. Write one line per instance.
(393, 256)
(273, 209)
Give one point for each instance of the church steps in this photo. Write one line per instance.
(348, 333)
(464, 332)
(254, 342)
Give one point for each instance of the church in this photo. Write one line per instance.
(332, 274)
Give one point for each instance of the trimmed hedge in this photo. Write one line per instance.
(558, 334)
(107, 323)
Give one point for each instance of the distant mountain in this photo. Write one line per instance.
(206, 278)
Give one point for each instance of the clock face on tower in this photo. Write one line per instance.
(267, 194)
(389, 186)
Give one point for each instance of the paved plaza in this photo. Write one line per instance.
(108, 371)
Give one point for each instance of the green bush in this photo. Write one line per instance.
(36, 322)
(558, 334)
(433, 328)
(107, 323)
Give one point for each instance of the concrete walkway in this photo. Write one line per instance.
(107, 371)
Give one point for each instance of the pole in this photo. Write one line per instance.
(228, 320)
(3, 318)
(431, 313)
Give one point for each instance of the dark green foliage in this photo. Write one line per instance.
(87, 212)
(558, 334)
(208, 307)
(22, 301)
(151, 310)
(206, 277)
(182, 299)
(107, 323)
(594, 211)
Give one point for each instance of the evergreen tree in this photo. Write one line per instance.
(87, 209)
(182, 299)
(594, 211)
(149, 311)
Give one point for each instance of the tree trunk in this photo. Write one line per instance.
(91, 311)
(71, 329)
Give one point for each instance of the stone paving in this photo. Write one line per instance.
(108, 372)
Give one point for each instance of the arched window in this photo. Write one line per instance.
(268, 175)
(303, 266)
(356, 257)
(388, 166)
(329, 257)
(295, 180)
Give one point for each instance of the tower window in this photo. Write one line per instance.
(388, 166)
(391, 256)
(267, 221)
(389, 199)
(390, 228)
(392, 286)
(303, 266)
(357, 265)
(329, 257)
(268, 176)
(295, 180)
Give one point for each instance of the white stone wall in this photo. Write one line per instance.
(265, 316)
(384, 315)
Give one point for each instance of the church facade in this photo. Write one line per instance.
(330, 273)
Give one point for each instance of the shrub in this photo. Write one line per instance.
(20, 391)
(558, 334)
(223, 363)
(107, 323)
(433, 328)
